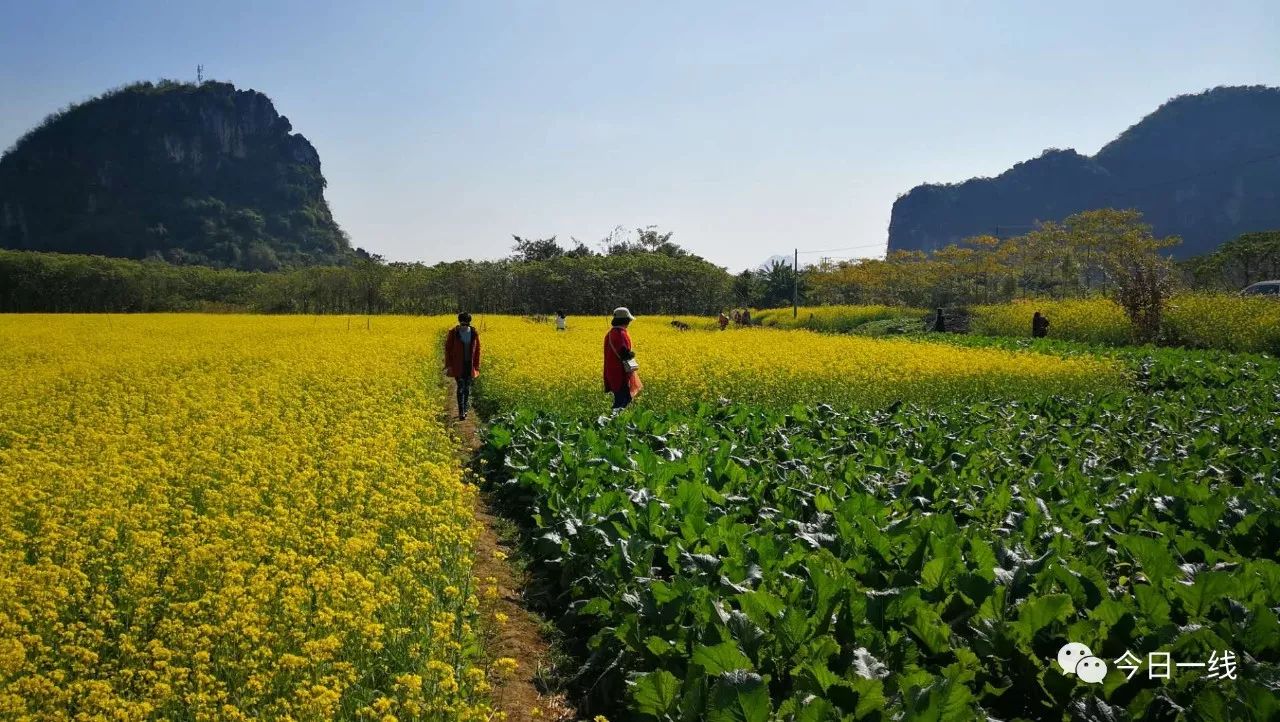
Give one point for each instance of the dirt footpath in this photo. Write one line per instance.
(520, 636)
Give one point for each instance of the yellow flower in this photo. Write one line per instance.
(264, 494)
(505, 666)
(1212, 320)
(529, 366)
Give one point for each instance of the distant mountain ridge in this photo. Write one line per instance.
(203, 174)
(1205, 167)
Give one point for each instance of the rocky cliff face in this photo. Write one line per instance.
(191, 174)
(1204, 167)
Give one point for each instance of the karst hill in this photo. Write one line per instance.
(188, 173)
(1205, 167)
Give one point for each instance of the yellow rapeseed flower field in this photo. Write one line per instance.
(1226, 321)
(231, 517)
(834, 319)
(562, 370)
(1094, 320)
(1202, 320)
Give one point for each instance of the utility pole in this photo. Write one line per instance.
(199, 75)
(795, 285)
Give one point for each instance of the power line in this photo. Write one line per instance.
(849, 258)
(846, 248)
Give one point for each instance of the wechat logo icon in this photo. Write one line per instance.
(1075, 658)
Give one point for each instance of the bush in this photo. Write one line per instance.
(1225, 321)
(1095, 320)
(1199, 320)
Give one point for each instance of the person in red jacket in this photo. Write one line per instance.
(462, 359)
(619, 380)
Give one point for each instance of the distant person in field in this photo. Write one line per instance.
(561, 322)
(620, 376)
(462, 359)
(939, 323)
(737, 317)
(1039, 326)
(746, 317)
(723, 321)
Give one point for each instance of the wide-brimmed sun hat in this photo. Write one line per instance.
(622, 312)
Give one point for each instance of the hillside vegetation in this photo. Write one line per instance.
(1204, 167)
(204, 174)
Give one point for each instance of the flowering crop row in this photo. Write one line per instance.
(1200, 320)
(835, 319)
(219, 517)
(530, 363)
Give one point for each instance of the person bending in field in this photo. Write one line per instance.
(1039, 326)
(462, 359)
(620, 377)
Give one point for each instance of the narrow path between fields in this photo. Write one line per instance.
(520, 637)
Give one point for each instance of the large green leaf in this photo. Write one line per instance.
(739, 696)
(939, 570)
(1203, 592)
(929, 628)
(816, 709)
(1153, 556)
(656, 694)
(762, 607)
(1153, 605)
(946, 700)
(721, 658)
(912, 557)
(1039, 612)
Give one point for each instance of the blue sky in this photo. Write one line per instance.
(746, 128)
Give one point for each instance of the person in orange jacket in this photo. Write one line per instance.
(620, 381)
(462, 359)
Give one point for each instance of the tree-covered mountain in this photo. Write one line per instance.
(202, 174)
(1205, 167)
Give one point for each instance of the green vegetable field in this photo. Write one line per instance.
(731, 562)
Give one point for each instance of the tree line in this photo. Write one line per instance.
(1102, 252)
(645, 271)
(1087, 254)
(1237, 263)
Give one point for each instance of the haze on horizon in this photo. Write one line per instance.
(746, 128)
